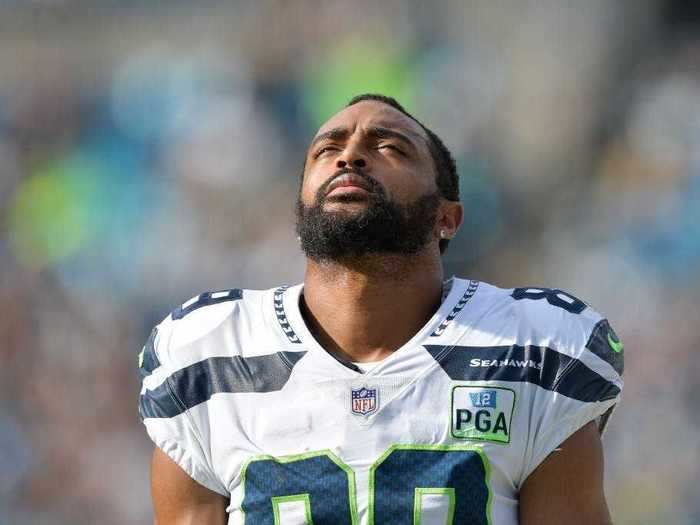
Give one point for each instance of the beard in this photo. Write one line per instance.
(383, 227)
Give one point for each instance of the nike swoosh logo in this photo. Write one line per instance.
(615, 346)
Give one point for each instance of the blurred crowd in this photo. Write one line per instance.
(151, 153)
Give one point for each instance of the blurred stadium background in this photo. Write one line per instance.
(150, 151)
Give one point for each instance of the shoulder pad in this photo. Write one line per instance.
(196, 328)
(206, 299)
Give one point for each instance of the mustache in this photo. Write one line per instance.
(373, 184)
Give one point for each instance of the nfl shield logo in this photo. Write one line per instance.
(364, 401)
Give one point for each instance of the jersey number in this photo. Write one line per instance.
(553, 296)
(206, 299)
(412, 485)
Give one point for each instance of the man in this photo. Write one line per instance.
(376, 391)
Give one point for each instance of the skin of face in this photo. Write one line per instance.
(377, 140)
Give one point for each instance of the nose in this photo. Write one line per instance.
(355, 163)
(352, 157)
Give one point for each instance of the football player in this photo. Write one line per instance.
(377, 391)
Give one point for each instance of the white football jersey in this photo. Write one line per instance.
(445, 430)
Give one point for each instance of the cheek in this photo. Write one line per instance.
(309, 186)
(409, 186)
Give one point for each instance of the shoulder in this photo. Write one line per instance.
(544, 307)
(210, 324)
(550, 314)
(210, 344)
(556, 319)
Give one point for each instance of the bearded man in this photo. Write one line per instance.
(377, 391)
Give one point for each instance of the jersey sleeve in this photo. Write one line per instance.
(584, 365)
(166, 418)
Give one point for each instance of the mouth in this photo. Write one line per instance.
(348, 184)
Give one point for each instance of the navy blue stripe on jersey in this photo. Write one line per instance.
(206, 299)
(197, 383)
(538, 365)
(149, 359)
(605, 344)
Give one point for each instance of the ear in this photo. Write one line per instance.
(449, 219)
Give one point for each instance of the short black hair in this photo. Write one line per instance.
(445, 165)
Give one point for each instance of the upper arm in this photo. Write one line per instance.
(180, 500)
(567, 487)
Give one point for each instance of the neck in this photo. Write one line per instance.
(366, 309)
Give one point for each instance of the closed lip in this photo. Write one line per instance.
(348, 180)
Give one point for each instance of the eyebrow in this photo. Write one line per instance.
(375, 132)
(332, 134)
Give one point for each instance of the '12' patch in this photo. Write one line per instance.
(482, 413)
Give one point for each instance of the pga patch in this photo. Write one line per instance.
(482, 413)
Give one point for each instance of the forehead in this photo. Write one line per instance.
(374, 113)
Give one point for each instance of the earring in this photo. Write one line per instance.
(442, 234)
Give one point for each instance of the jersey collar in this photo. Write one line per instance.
(293, 325)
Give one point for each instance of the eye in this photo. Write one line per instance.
(392, 147)
(323, 150)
